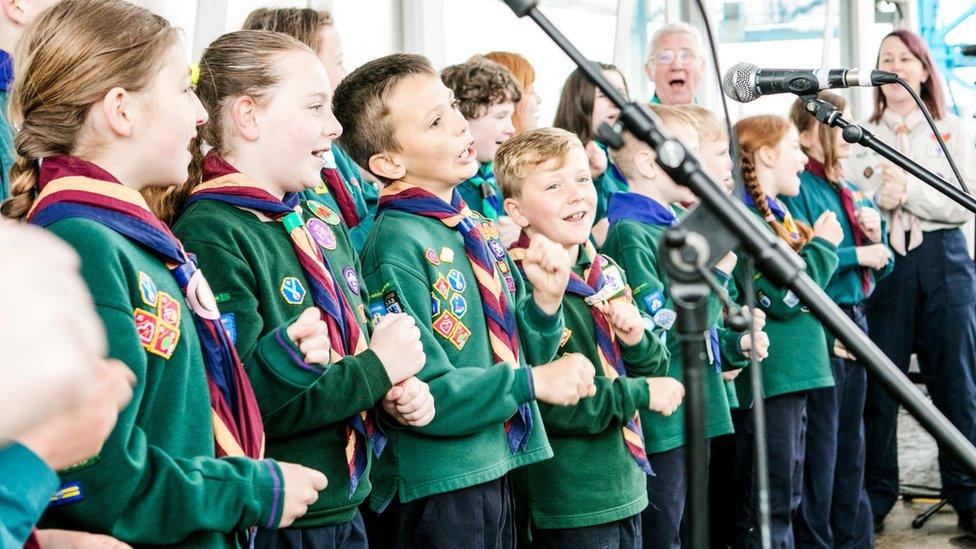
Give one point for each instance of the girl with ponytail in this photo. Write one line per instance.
(104, 109)
(771, 161)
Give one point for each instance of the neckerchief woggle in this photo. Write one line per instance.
(499, 317)
(74, 188)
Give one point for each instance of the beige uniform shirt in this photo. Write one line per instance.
(933, 209)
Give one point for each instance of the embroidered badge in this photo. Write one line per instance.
(460, 336)
(567, 333)
(503, 267)
(169, 309)
(70, 492)
(445, 324)
(321, 188)
(166, 339)
(791, 299)
(435, 305)
(447, 255)
(377, 309)
(292, 290)
(868, 172)
(431, 256)
(392, 302)
(222, 297)
(458, 305)
(613, 286)
(654, 301)
(147, 289)
(442, 286)
(665, 318)
(764, 300)
(323, 212)
(322, 234)
(230, 326)
(510, 282)
(497, 249)
(146, 326)
(456, 279)
(352, 279)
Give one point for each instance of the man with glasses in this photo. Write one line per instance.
(675, 64)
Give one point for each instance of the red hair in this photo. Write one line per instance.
(931, 92)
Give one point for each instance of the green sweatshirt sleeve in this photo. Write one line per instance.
(539, 332)
(649, 358)
(778, 302)
(469, 398)
(26, 486)
(730, 346)
(615, 402)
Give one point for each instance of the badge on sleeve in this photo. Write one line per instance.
(323, 212)
(665, 318)
(447, 255)
(442, 286)
(147, 289)
(166, 339)
(458, 305)
(70, 492)
(431, 256)
(352, 279)
(392, 302)
(444, 325)
(169, 309)
(322, 234)
(790, 299)
(654, 301)
(230, 326)
(456, 280)
(146, 323)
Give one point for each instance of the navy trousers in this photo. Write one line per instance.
(620, 534)
(666, 493)
(835, 511)
(927, 305)
(785, 446)
(721, 490)
(348, 535)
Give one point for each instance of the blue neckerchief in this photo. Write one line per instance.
(6, 71)
(639, 208)
(773, 204)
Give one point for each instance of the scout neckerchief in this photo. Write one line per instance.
(223, 183)
(850, 212)
(347, 207)
(901, 220)
(591, 283)
(646, 210)
(70, 188)
(491, 200)
(500, 320)
(778, 213)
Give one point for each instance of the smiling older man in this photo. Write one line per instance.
(675, 64)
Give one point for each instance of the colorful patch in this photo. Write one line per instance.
(868, 172)
(230, 326)
(665, 318)
(567, 333)
(166, 339)
(497, 249)
(147, 289)
(460, 336)
(292, 290)
(323, 212)
(602, 261)
(431, 256)
(458, 305)
(435, 305)
(613, 287)
(445, 324)
(392, 302)
(222, 297)
(791, 299)
(377, 309)
(764, 300)
(456, 280)
(70, 492)
(322, 234)
(654, 301)
(442, 286)
(352, 279)
(321, 188)
(503, 267)
(510, 282)
(146, 324)
(447, 255)
(169, 309)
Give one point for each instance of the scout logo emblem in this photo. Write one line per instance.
(145, 326)
(460, 335)
(764, 301)
(69, 492)
(567, 333)
(497, 249)
(447, 255)
(431, 256)
(352, 280)
(292, 290)
(442, 286)
(166, 340)
(613, 286)
(435, 305)
(322, 234)
(169, 309)
(456, 279)
(445, 324)
(324, 213)
(458, 305)
(790, 299)
(147, 289)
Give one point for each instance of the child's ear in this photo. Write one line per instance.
(644, 162)
(388, 166)
(243, 116)
(767, 156)
(116, 107)
(15, 11)
(515, 212)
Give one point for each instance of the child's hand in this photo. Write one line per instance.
(410, 403)
(546, 266)
(727, 263)
(666, 394)
(731, 374)
(625, 319)
(301, 486)
(396, 341)
(311, 335)
(598, 159)
(565, 380)
(841, 351)
(870, 222)
(828, 228)
(71, 539)
(758, 318)
(762, 345)
(508, 230)
(874, 256)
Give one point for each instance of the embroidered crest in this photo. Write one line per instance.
(764, 300)
(146, 326)
(458, 305)
(665, 318)
(322, 234)
(352, 279)
(292, 290)
(447, 255)
(497, 249)
(147, 289)
(431, 256)
(169, 309)
(230, 326)
(654, 301)
(442, 286)
(445, 324)
(166, 339)
(435, 305)
(321, 188)
(510, 282)
(790, 299)
(456, 280)
(460, 336)
(392, 302)
(323, 212)
(868, 172)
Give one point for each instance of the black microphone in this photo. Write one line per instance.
(745, 82)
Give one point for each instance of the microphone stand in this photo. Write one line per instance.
(779, 263)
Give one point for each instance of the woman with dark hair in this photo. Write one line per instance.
(927, 305)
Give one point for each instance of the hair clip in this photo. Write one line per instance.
(194, 73)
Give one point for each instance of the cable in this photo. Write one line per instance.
(936, 132)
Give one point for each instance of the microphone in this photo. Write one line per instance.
(745, 82)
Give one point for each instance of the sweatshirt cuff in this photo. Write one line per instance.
(375, 373)
(540, 321)
(824, 242)
(523, 390)
(269, 474)
(26, 477)
(847, 257)
(639, 391)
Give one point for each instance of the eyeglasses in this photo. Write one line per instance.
(666, 57)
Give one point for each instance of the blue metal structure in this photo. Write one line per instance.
(948, 56)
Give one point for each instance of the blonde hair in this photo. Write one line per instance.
(241, 63)
(754, 133)
(68, 59)
(523, 72)
(669, 117)
(710, 126)
(305, 24)
(527, 150)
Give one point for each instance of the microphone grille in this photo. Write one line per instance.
(739, 83)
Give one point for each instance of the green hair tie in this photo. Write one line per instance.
(194, 73)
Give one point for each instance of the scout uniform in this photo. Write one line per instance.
(26, 486)
(343, 190)
(835, 510)
(637, 224)
(612, 181)
(482, 194)
(926, 305)
(156, 458)
(263, 282)
(447, 268)
(573, 500)
(797, 363)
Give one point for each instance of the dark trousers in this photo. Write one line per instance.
(927, 305)
(666, 491)
(477, 517)
(721, 490)
(620, 534)
(785, 447)
(835, 511)
(348, 535)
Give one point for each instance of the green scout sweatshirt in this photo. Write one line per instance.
(472, 194)
(418, 265)
(612, 181)
(253, 269)
(797, 358)
(635, 247)
(730, 346)
(592, 479)
(155, 480)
